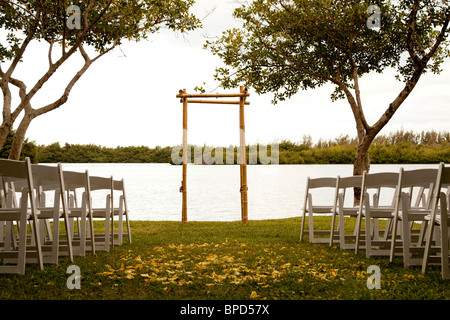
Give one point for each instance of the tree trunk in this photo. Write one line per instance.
(362, 162)
(4, 131)
(362, 158)
(19, 137)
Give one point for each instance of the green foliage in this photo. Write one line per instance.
(100, 25)
(29, 149)
(397, 147)
(104, 23)
(224, 261)
(75, 153)
(286, 46)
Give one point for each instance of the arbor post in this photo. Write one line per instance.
(185, 99)
(243, 156)
(185, 153)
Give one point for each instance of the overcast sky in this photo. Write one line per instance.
(128, 97)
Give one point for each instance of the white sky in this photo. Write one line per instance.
(128, 97)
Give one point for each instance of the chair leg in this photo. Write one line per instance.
(368, 236)
(128, 227)
(444, 238)
(333, 222)
(21, 259)
(120, 229)
(302, 228)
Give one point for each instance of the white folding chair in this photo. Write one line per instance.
(311, 206)
(83, 240)
(407, 212)
(438, 222)
(376, 239)
(346, 210)
(15, 258)
(121, 210)
(102, 189)
(51, 179)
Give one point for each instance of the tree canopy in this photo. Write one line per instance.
(285, 46)
(67, 28)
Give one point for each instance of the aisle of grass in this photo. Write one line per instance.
(224, 260)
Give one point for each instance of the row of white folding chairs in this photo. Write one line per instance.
(415, 214)
(45, 242)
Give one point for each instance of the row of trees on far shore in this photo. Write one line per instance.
(398, 147)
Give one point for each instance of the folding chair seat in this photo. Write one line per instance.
(376, 239)
(80, 215)
(407, 213)
(102, 189)
(437, 237)
(120, 211)
(14, 254)
(319, 207)
(346, 211)
(50, 179)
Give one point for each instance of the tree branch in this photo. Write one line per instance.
(65, 96)
(411, 30)
(439, 39)
(21, 51)
(419, 68)
(50, 62)
(361, 125)
(358, 95)
(393, 107)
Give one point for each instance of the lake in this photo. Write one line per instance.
(274, 191)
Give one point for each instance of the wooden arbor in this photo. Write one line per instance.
(190, 98)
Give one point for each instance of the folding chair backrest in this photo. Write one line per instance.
(49, 178)
(443, 178)
(46, 176)
(315, 183)
(381, 179)
(101, 183)
(418, 178)
(119, 185)
(350, 182)
(14, 170)
(74, 180)
(343, 183)
(378, 181)
(321, 183)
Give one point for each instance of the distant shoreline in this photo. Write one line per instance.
(400, 147)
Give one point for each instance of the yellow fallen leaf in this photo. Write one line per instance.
(254, 295)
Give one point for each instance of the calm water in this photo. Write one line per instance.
(274, 191)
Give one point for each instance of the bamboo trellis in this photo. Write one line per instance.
(191, 98)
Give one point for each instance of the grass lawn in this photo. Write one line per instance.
(224, 261)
